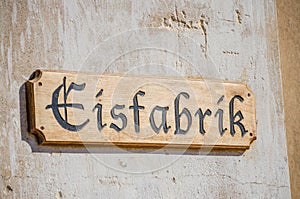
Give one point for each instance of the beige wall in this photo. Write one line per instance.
(229, 40)
(289, 39)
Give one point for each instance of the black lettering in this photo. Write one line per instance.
(201, 119)
(220, 112)
(232, 117)
(222, 130)
(163, 119)
(117, 116)
(136, 109)
(184, 111)
(99, 112)
(63, 122)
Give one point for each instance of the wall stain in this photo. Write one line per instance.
(238, 15)
(178, 21)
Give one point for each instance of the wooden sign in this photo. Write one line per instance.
(139, 111)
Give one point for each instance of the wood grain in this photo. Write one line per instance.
(158, 91)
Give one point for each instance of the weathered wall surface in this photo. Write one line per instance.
(289, 27)
(229, 40)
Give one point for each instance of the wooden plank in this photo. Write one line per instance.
(139, 111)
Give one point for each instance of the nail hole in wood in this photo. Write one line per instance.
(42, 127)
(40, 84)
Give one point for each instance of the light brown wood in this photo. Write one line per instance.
(121, 89)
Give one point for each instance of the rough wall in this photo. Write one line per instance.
(229, 40)
(289, 27)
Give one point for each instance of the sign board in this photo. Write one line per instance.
(139, 111)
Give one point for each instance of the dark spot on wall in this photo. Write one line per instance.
(8, 187)
(174, 180)
(230, 53)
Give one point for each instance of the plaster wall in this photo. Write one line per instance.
(226, 40)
